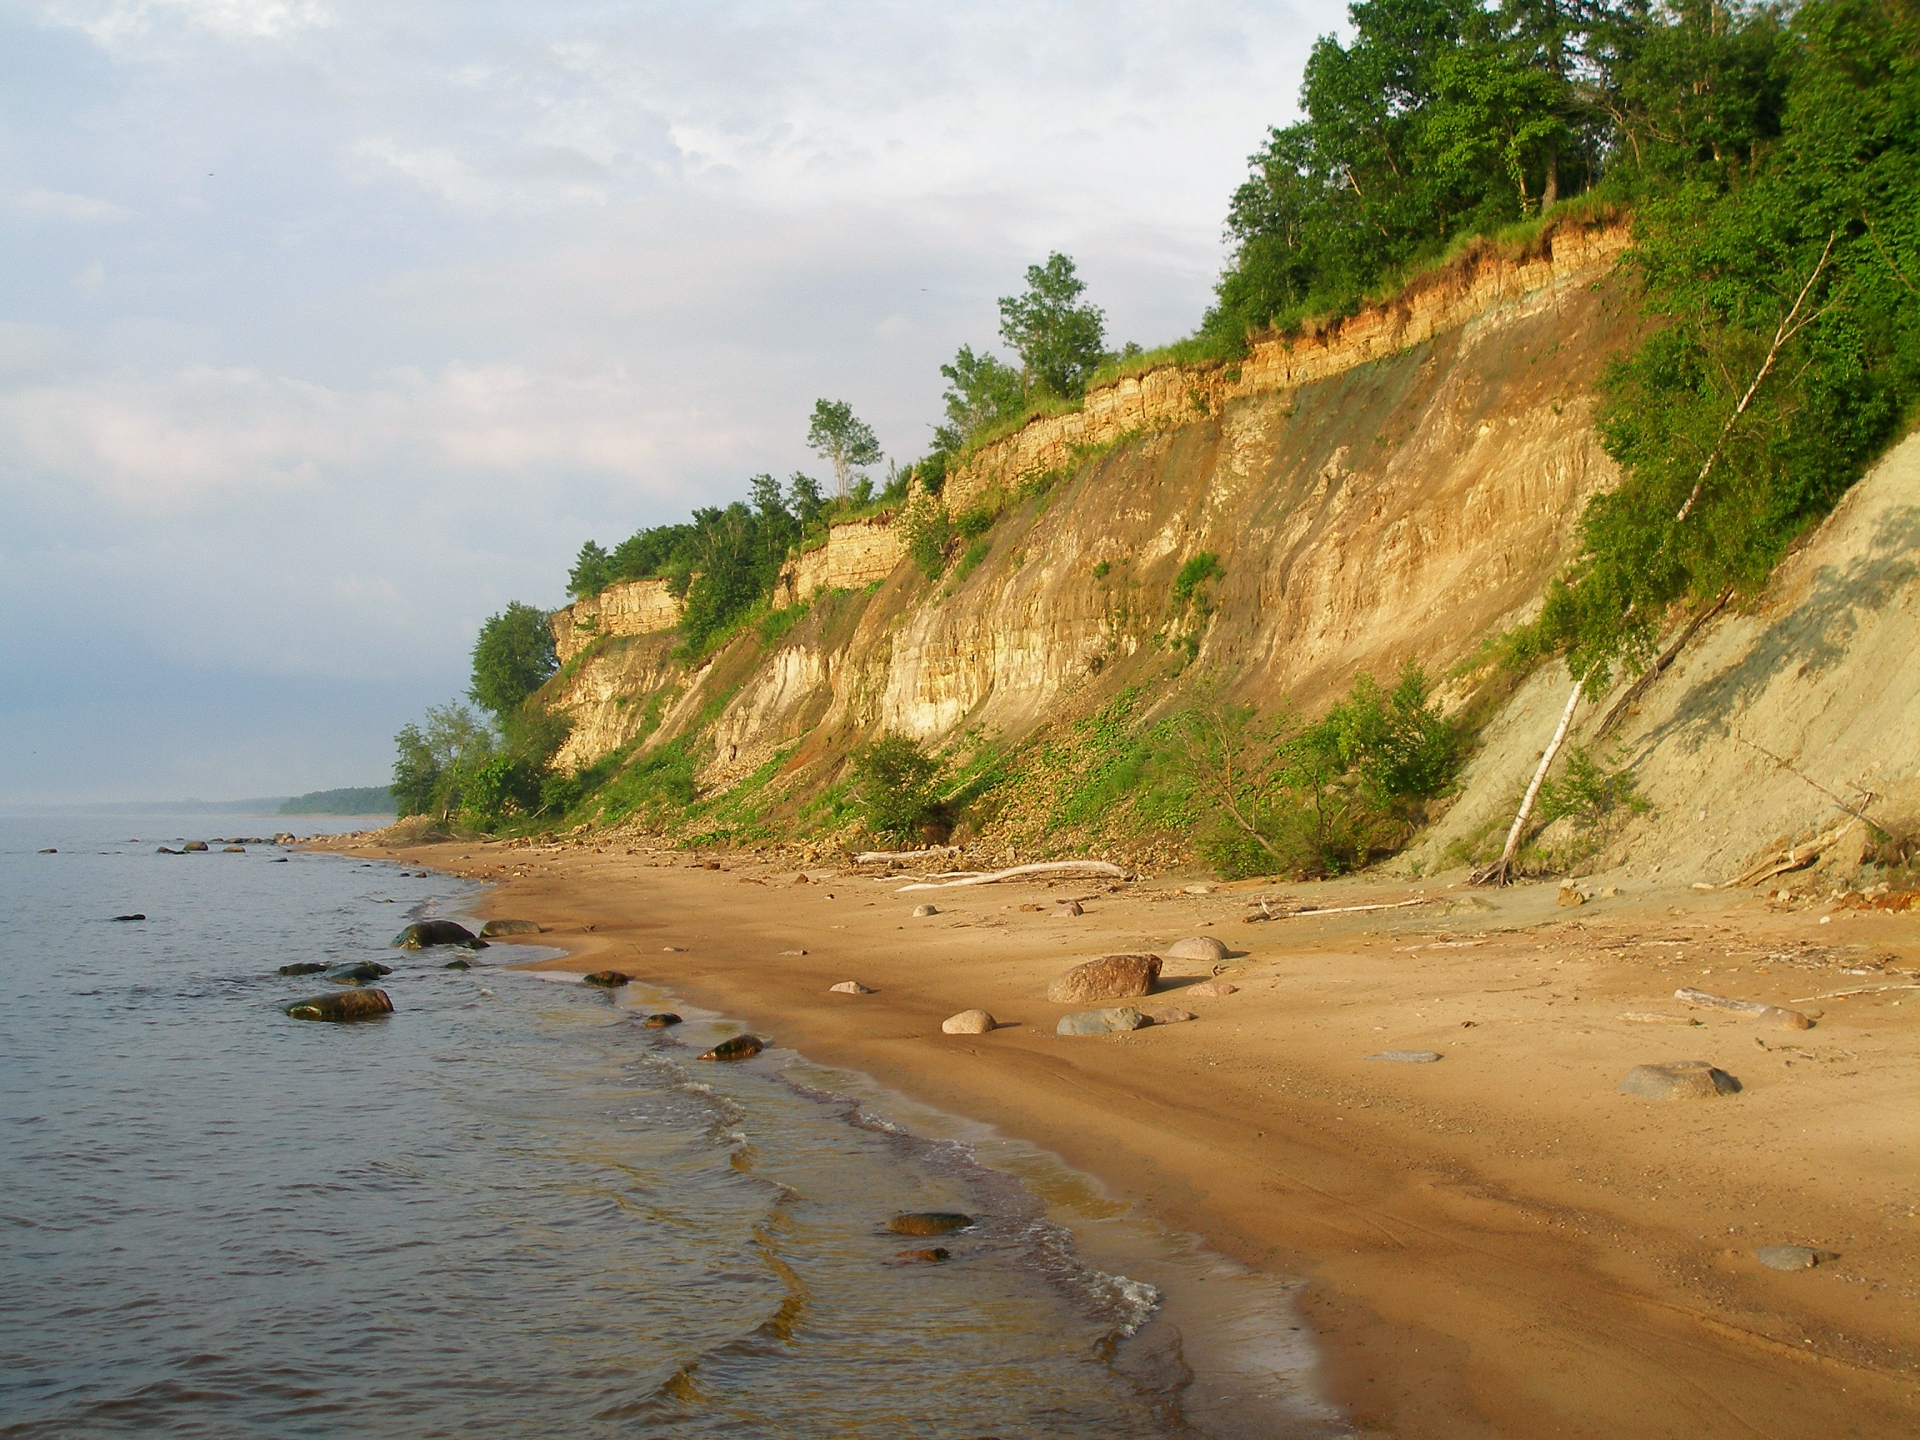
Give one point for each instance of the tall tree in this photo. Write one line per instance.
(1059, 339)
(982, 392)
(839, 436)
(512, 658)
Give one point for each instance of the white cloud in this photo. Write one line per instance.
(115, 23)
(58, 205)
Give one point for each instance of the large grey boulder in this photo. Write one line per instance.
(1101, 1022)
(1678, 1080)
(1111, 977)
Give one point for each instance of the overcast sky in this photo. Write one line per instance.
(329, 327)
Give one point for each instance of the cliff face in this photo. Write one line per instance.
(1400, 486)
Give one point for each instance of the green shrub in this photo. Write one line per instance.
(975, 521)
(1588, 793)
(896, 785)
(970, 559)
(1195, 573)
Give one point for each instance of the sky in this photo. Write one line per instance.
(328, 328)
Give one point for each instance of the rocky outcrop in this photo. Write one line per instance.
(631, 607)
(855, 555)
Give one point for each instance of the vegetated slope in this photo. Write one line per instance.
(1771, 724)
(1401, 507)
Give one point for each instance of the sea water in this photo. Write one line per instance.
(510, 1209)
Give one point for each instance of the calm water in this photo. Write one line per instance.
(508, 1209)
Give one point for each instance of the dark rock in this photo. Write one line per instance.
(661, 1021)
(193, 845)
(135, 916)
(741, 1047)
(929, 1222)
(609, 979)
(923, 1257)
(278, 860)
(457, 964)
(50, 851)
(164, 850)
(1111, 977)
(1678, 1080)
(508, 927)
(422, 933)
(342, 1005)
(358, 972)
(1101, 1022)
(305, 967)
(1067, 910)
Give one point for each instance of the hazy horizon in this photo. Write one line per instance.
(331, 328)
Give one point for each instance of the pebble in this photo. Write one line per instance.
(1101, 1022)
(1678, 1080)
(1791, 1257)
(1068, 910)
(1169, 1016)
(673, 950)
(968, 1022)
(929, 1222)
(1210, 989)
(1408, 1057)
(920, 912)
(848, 987)
(1197, 947)
(793, 952)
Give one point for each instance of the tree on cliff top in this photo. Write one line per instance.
(512, 658)
(839, 436)
(1059, 340)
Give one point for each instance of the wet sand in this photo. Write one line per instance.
(1498, 1244)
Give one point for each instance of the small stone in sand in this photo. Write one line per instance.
(1408, 1057)
(1068, 910)
(673, 949)
(1198, 947)
(1101, 1022)
(1169, 1016)
(1791, 1257)
(801, 879)
(661, 1020)
(1197, 890)
(920, 912)
(1571, 896)
(929, 1222)
(968, 1022)
(848, 987)
(1678, 1080)
(793, 952)
(1210, 989)
(922, 1257)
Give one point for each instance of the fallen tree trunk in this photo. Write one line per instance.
(1045, 867)
(1268, 914)
(875, 857)
(1794, 857)
(1640, 687)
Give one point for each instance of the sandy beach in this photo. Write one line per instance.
(1497, 1244)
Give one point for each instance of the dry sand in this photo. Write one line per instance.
(1498, 1244)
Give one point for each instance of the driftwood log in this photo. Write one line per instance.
(901, 857)
(1045, 867)
(1794, 857)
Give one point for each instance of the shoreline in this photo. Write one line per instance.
(1497, 1246)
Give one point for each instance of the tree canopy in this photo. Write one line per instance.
(1057, 336)
(512, 658)
(845, 441)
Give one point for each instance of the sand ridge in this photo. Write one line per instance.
(1500, 1244)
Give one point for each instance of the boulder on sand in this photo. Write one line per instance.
(1111, 977)
(1197, 947)
(608, 979)
(494, 928)
(1678, 1080)
(848, 987)
(968, 1022)
(1210, 990)
(741, 1047)
(929, 1222)
(1792, 1257)
(357, 972)
(1067, 910)
(1169, 1016)
(422, 933)
(342, 1005)
(1101, 1022)
(920, 912)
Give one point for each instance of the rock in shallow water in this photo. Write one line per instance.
(422, 933)
(661, 1021)
(456, 964)
(1678, 1080)
(508, 927)
(1197, 947)
(968, 1022)
(305, 967)
(929, 1222)
(607, 979)
(1111, 977)
(342, 1005)
(357, 972)
(741, 1047)
(135, 916)
(1101, 1022)
(932, 1256)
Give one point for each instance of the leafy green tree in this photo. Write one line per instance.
(436, 762)
(1059, 339)
(840, 437)
(803, 492)
(512, 658)
(982, 393)
(896, 783)
(590, 573)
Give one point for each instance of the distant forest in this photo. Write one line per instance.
(350, 800)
